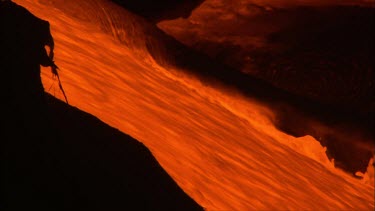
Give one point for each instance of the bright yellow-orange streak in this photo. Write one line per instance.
(219, 147)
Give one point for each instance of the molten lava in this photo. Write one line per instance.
(220, 147)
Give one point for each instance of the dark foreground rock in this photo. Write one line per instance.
(79, 162)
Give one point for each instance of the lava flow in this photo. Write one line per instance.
(221, 148)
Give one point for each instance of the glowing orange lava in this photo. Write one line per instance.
(221, 148)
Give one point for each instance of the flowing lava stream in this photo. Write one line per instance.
(221, 148)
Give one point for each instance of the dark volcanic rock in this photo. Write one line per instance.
(75, 161)
(326, 54)
(156, 11)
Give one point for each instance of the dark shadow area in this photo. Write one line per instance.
(326, 54)
(160, 10)
(56, 157)
(83, 164)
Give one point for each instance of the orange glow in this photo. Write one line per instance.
(220, 147)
